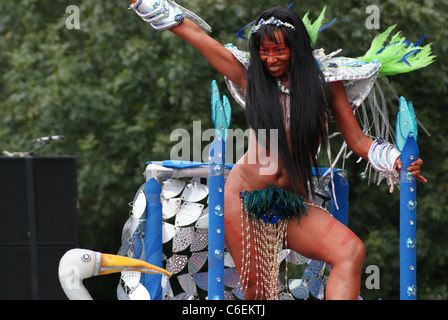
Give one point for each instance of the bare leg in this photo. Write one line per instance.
(234, 241)
(320, 236)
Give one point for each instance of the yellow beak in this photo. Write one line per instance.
(110, 263)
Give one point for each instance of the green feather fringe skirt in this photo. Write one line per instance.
(272, 204)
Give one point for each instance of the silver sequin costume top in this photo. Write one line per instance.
(358, 76)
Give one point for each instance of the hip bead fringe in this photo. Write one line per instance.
(268, 240)
(264, 216)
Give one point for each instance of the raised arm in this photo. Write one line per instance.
(215, 53)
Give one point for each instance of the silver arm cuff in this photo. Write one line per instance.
(382, 156)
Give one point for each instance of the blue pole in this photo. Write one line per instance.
(216, 220)
(153, 237)
(408, 221)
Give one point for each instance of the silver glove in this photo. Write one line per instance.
(165, 14)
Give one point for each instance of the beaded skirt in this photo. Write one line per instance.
(268, 212)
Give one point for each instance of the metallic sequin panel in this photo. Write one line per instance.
(183, 239)
(172, 188)
(200, 240)
(189, 212)
(168, 231)
(187, 283)
(195, 192)
(197, 261)
(176, 263)
(170, 207)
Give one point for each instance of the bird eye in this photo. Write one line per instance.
(86, 257)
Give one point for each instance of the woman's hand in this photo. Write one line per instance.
(414, 169)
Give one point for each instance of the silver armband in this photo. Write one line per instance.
(382, 156)
(165, 14)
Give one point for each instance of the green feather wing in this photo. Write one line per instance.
(399, 56)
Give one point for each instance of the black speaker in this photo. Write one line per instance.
(38, 224)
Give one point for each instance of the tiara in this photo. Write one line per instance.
(274, 21)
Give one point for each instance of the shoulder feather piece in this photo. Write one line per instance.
(400, 55)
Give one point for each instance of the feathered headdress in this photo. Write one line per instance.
(313, 28)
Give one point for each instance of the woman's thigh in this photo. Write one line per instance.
(232, 226)
(318, 235)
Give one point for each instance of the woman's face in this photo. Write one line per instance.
(275, 55)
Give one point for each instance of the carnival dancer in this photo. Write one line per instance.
(285, 93)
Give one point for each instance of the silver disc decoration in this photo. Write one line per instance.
(185, 248)
(176, 263)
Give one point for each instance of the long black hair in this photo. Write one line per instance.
(309, 97)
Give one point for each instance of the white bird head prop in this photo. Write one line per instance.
(79, 264)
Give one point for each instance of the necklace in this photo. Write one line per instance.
(283, 88)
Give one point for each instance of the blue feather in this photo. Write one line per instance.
(406, 123)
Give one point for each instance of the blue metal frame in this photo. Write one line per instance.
(153, 238)
(408, 222)
(216, 220)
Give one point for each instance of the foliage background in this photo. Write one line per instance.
(116, 89)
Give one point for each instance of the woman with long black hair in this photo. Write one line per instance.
(287, 97)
